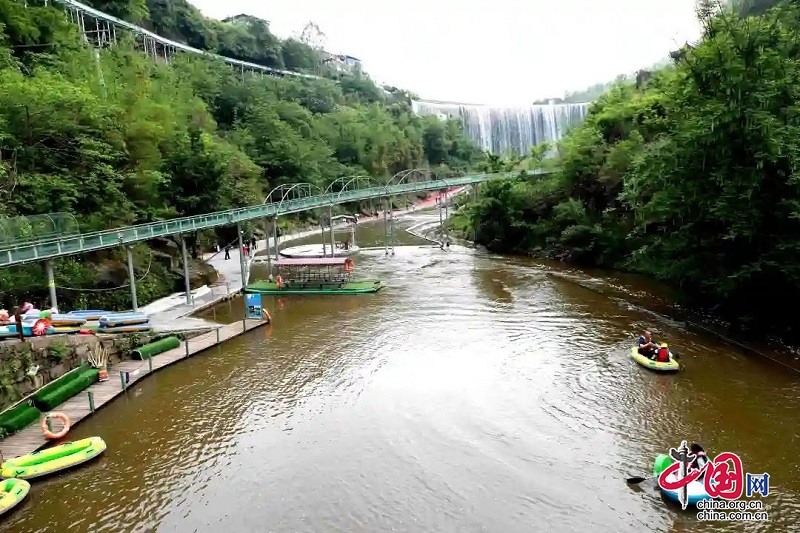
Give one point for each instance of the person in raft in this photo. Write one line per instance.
(647, 346)
(700, 459)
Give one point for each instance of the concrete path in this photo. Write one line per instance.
(170, 313)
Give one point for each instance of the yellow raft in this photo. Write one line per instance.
(52, 460)
(12, 492)
(671, 366)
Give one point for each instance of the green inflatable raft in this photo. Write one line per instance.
(12, 492)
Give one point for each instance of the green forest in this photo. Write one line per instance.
(688, 178)
(114, 138)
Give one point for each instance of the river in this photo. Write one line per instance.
(474, 393)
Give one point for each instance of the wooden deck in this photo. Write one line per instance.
(78, 408)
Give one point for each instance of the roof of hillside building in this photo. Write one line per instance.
(243, 17)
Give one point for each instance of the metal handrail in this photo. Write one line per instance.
(76, 244)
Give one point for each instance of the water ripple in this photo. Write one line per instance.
(474, 393)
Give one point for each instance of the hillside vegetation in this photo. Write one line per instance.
(689, 178)
(115, 138)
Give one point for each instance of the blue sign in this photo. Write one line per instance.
(253, 306)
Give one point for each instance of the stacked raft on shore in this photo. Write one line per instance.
(124, 323)
(35, 324)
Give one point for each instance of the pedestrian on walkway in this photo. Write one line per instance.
(227, 251)
(253, 243)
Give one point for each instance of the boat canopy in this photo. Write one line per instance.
(311, 261)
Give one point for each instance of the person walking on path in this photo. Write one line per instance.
(227, 251)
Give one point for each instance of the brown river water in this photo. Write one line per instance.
(474, 393)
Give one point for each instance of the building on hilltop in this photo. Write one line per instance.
(244, 19)
(342, 62)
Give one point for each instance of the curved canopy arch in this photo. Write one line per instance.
(414, 175)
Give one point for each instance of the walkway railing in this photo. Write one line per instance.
(79, 10)
(21, 253)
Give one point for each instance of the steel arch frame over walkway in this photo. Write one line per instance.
(29, 252)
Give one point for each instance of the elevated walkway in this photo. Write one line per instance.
(19, 253)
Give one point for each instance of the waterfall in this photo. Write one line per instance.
(503, 130)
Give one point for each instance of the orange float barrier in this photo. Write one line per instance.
(50, 434)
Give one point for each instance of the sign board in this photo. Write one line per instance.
(253, 306)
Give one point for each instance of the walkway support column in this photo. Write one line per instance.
(385, 227)
(322, 235)
(242, 267)
(275, 236)
(132, 278)
(266, 245)
(51, 283)
(391, 222)
(187, 284)
(439, 205)
(333, 239)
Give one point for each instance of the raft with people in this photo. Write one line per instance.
(695, 490)
(671, 365)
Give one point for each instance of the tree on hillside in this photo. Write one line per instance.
(118, 139)
(687, 177)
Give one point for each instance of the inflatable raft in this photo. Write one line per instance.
(66, 320)
(695, 491)
(140, 328)
(671, 366)
(27, 330)
(91, 314)
(123, 319)
(12, 492)
(52, 460)
(62, 330)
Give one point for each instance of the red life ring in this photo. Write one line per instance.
(349, 265)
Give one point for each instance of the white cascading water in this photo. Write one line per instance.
(514, 130)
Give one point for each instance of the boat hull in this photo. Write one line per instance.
(353, 287)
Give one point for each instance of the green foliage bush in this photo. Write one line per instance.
(17, 418)
(118, 139)
(689, 178)
(55, 397)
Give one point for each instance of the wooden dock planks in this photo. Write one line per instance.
(77, 408)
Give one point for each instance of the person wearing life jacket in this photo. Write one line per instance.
(661, 355)
(700, 459)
